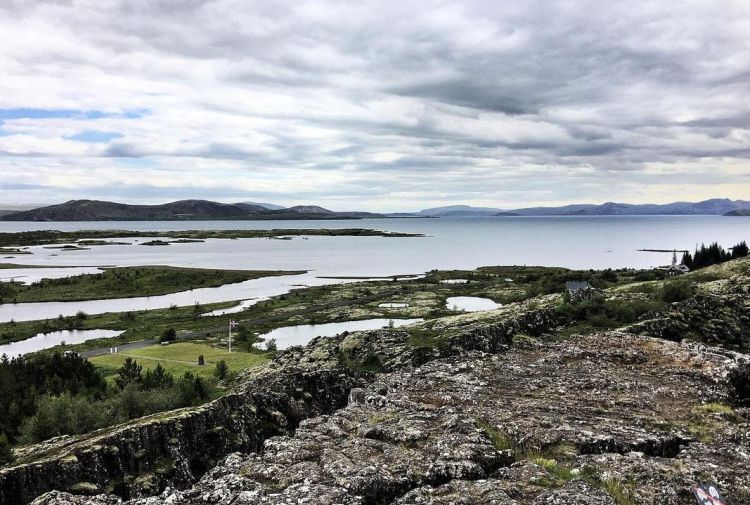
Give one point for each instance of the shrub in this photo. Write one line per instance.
(6, 453)
(221, 370)
(601, 313)
(675, 291)
(169, 335)
(61, 415)
(157, 379)
(739, 384)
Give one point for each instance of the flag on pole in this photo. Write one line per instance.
(232, 324)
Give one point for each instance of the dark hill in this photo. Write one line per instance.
(738, 212)
(183, 210)
(315, 212)
(95, 210)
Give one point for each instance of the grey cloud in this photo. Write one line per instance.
(468, 94)
(455, 91)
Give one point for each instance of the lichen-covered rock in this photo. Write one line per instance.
(459, 492)
(577, 492)
(721, 318)
(599, 419)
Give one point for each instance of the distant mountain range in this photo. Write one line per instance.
(10, 208)
(183, 210)
(716, 207)
(458, 210)
(269, 206)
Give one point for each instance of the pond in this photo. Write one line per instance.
(303, 333)
(47, 340)
(242, 305)
(470, 304)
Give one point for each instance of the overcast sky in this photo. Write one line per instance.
(393, 105)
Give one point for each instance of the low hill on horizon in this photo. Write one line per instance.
(183, 210)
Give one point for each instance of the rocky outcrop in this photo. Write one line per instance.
(466, 409)
(716, 319)
(389, 350)
(176, 448)
(610, 418)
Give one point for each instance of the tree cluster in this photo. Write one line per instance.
(713, 254)
(45, 396)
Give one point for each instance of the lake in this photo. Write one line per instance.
(47, 340)
(450, 243)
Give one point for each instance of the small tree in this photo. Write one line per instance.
(740, 250)
(271, 345)
(129, 373)
(157, 378)
(169, 335)
(221, 370)
(739, 383)
(6, 452)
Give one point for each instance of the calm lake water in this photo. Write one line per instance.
(451, 243)
(303, 333)
(47, 340)
(470, 303)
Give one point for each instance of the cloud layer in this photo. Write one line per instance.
(392, 105)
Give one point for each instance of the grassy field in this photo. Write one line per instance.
(311, 305)
(180, 357)
(126, 282)
(426, 298)
(138, 325)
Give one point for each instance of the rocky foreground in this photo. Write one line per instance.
(598, 419)
(499, 411)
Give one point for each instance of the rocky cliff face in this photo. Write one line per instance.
(467, 410)
(175, 448)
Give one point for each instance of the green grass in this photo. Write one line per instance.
(714, 408)
(301, 306)
(126, 282)
(179, 358)
(706, 420)
(497, 438)
(622, 494)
